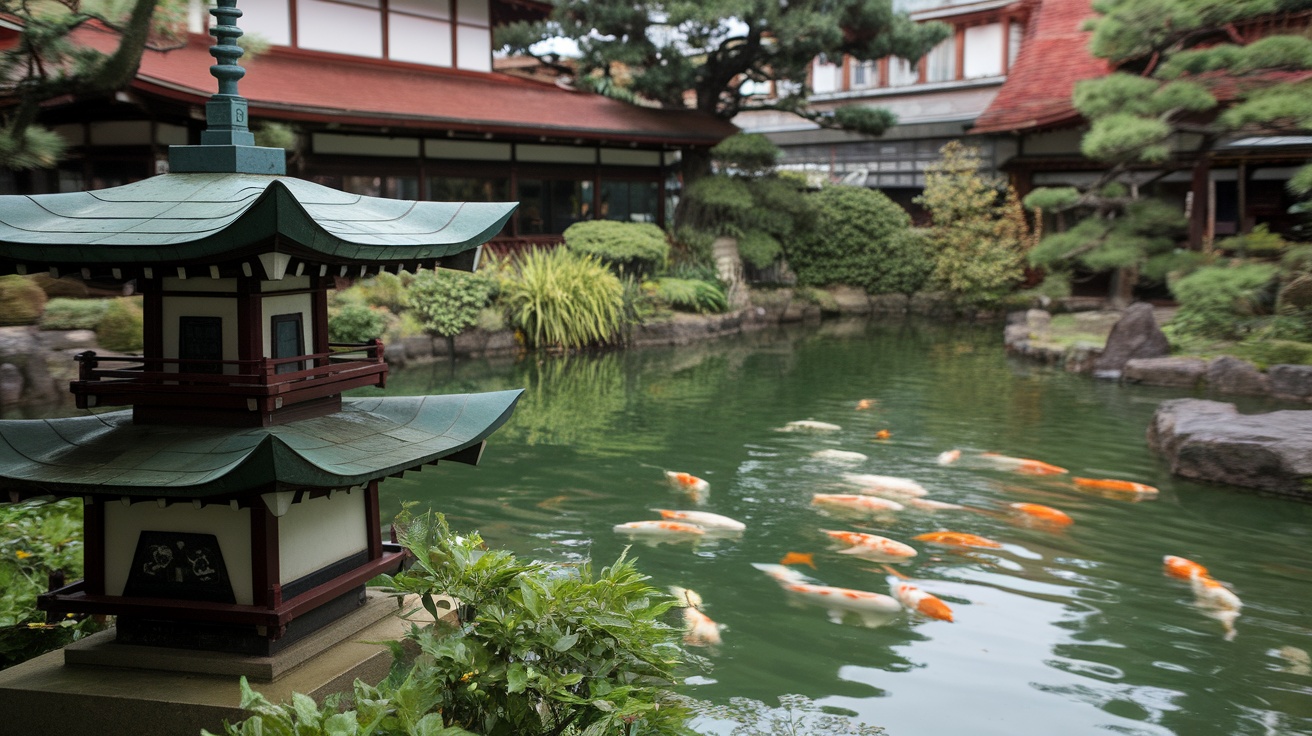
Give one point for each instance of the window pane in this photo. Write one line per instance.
(548, 206)
(941, 62)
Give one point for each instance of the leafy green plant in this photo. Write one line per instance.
(861, 239)
(387, 290)
(355, 323)
(630, 248)
(1220, 301)
(73, 314)
(560, 298)
(692, 295)
(21, 301)
(448, 302)
(1258, 242)
(120, 329)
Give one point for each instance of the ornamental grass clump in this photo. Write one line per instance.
(558, 298)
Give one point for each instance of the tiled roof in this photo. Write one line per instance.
(289, 84)
(1054, 55)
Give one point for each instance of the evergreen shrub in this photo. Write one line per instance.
(860, 238)
(632, 248)
(1220, 301)
(448, 302)
(73, 314)
(120, 329)
(355, 323)
(21, 301)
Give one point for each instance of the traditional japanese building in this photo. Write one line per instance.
(234, 505)
(397, 99)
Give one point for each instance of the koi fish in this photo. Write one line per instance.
(1022, 464)
(854, 502)
(874, 609)
(839, 456)
(948, 457)
(685, 596)
(864, 404)
(957, 539)
(780, 573)
(1220, 602)
(880, 485)
(704, 519)
(699, 629)
(1108, 484)
(872, 546)
(915, 599)
(799, 558)
(1046, 514)
(686, 481)
(1185, 569)
(1298, 662)
(883, 434)
(929, 504)
(663, 530)
(809, 425)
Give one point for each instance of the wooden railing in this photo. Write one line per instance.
(264, 384)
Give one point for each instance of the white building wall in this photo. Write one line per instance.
(984, 51)
(316, 533)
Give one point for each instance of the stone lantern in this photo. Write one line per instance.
(233, 506)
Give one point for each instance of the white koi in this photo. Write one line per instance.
(704, 519)
(846, 457)
(881, 485)
(809, 425)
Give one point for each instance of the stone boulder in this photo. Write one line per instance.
(1290, 381)
(1176, 371)
(1230, 375)
(1135, 336)
(890, 303)
(850, 300)
(11, 384)
(1211, 441)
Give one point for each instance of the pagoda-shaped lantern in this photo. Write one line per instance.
(234, 507)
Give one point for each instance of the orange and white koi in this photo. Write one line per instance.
(929, 504)
(947, 457)
(884, 485)
(699, 629)
(685, 596)
(809, 425)
(855, 502)
(704, 519)
(872, 546)
(915, 599)
(874, 609)
(864, 404)
(839, 456)
(1022, 464)
(957, 539)
(1218, 601)
(686, 481)
(780, 573)
(661, 529)
(1180, 567)
(1045, 514)
(1121, 486)
(799, 558)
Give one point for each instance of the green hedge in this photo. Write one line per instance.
(860, 238)
(120, 330)
(73, 314)
(21, 301)
(629, 248)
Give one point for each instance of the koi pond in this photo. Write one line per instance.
(1063, 629)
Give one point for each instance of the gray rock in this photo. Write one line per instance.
(851, 300)
(890, 303)
(1038, 321)
(932, 304)
(1136, 335)
(417, 348)
(1211, 441)
(11, 384)
(68, 339)
(40, 384)
(1016, 336)
(1080, 357)
(1177, 371)
(501, 342)
(16, 341)
(1230, 375)
(1290, 381)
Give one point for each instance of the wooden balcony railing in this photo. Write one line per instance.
(266, 384)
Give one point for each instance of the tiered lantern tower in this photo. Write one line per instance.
(234, 507)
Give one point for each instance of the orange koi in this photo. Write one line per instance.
(883, 434)
(1043, 513)
(1023, 464)
(957, 539)
(864, 404)
(799, 558)
(872, 546)
(1180, 567)
(1109, 484)
(915, 599)
(855, 502)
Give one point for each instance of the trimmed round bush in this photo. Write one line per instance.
(73, 314)
(859, 239)
(448, 302)
(120, 330)
(356, 323)
(629, 248)
(21, 301)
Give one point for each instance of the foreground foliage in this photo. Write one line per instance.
(540, 650)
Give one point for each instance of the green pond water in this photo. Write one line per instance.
(1073, 631)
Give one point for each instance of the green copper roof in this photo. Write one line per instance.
(205, 218)
(108, 455)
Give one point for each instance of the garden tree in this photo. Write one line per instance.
(980, 233)
(45, 64)
(1188, 74)
(715, 52)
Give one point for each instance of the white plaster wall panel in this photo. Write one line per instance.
(555, 154)
(192, 306)
(418, 40)
(171, 135)
(473, 47)
(984, 51)
(625, 157)
(288, 283)
(121, 133)
(473, 12)
(476, 150)
(339, 28)
(439, 9)
(290, 304)
(200, 283)
(268, 19)
(365, 145)
(123, 524)
(825, 77)
(316, 533)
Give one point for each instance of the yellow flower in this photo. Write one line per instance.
(23, 555)
(466, 677)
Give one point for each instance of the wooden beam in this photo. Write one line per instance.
(266, 574)
(93, 546)
(373, 520)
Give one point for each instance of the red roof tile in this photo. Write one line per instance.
(290, 84)
(1054, 55)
